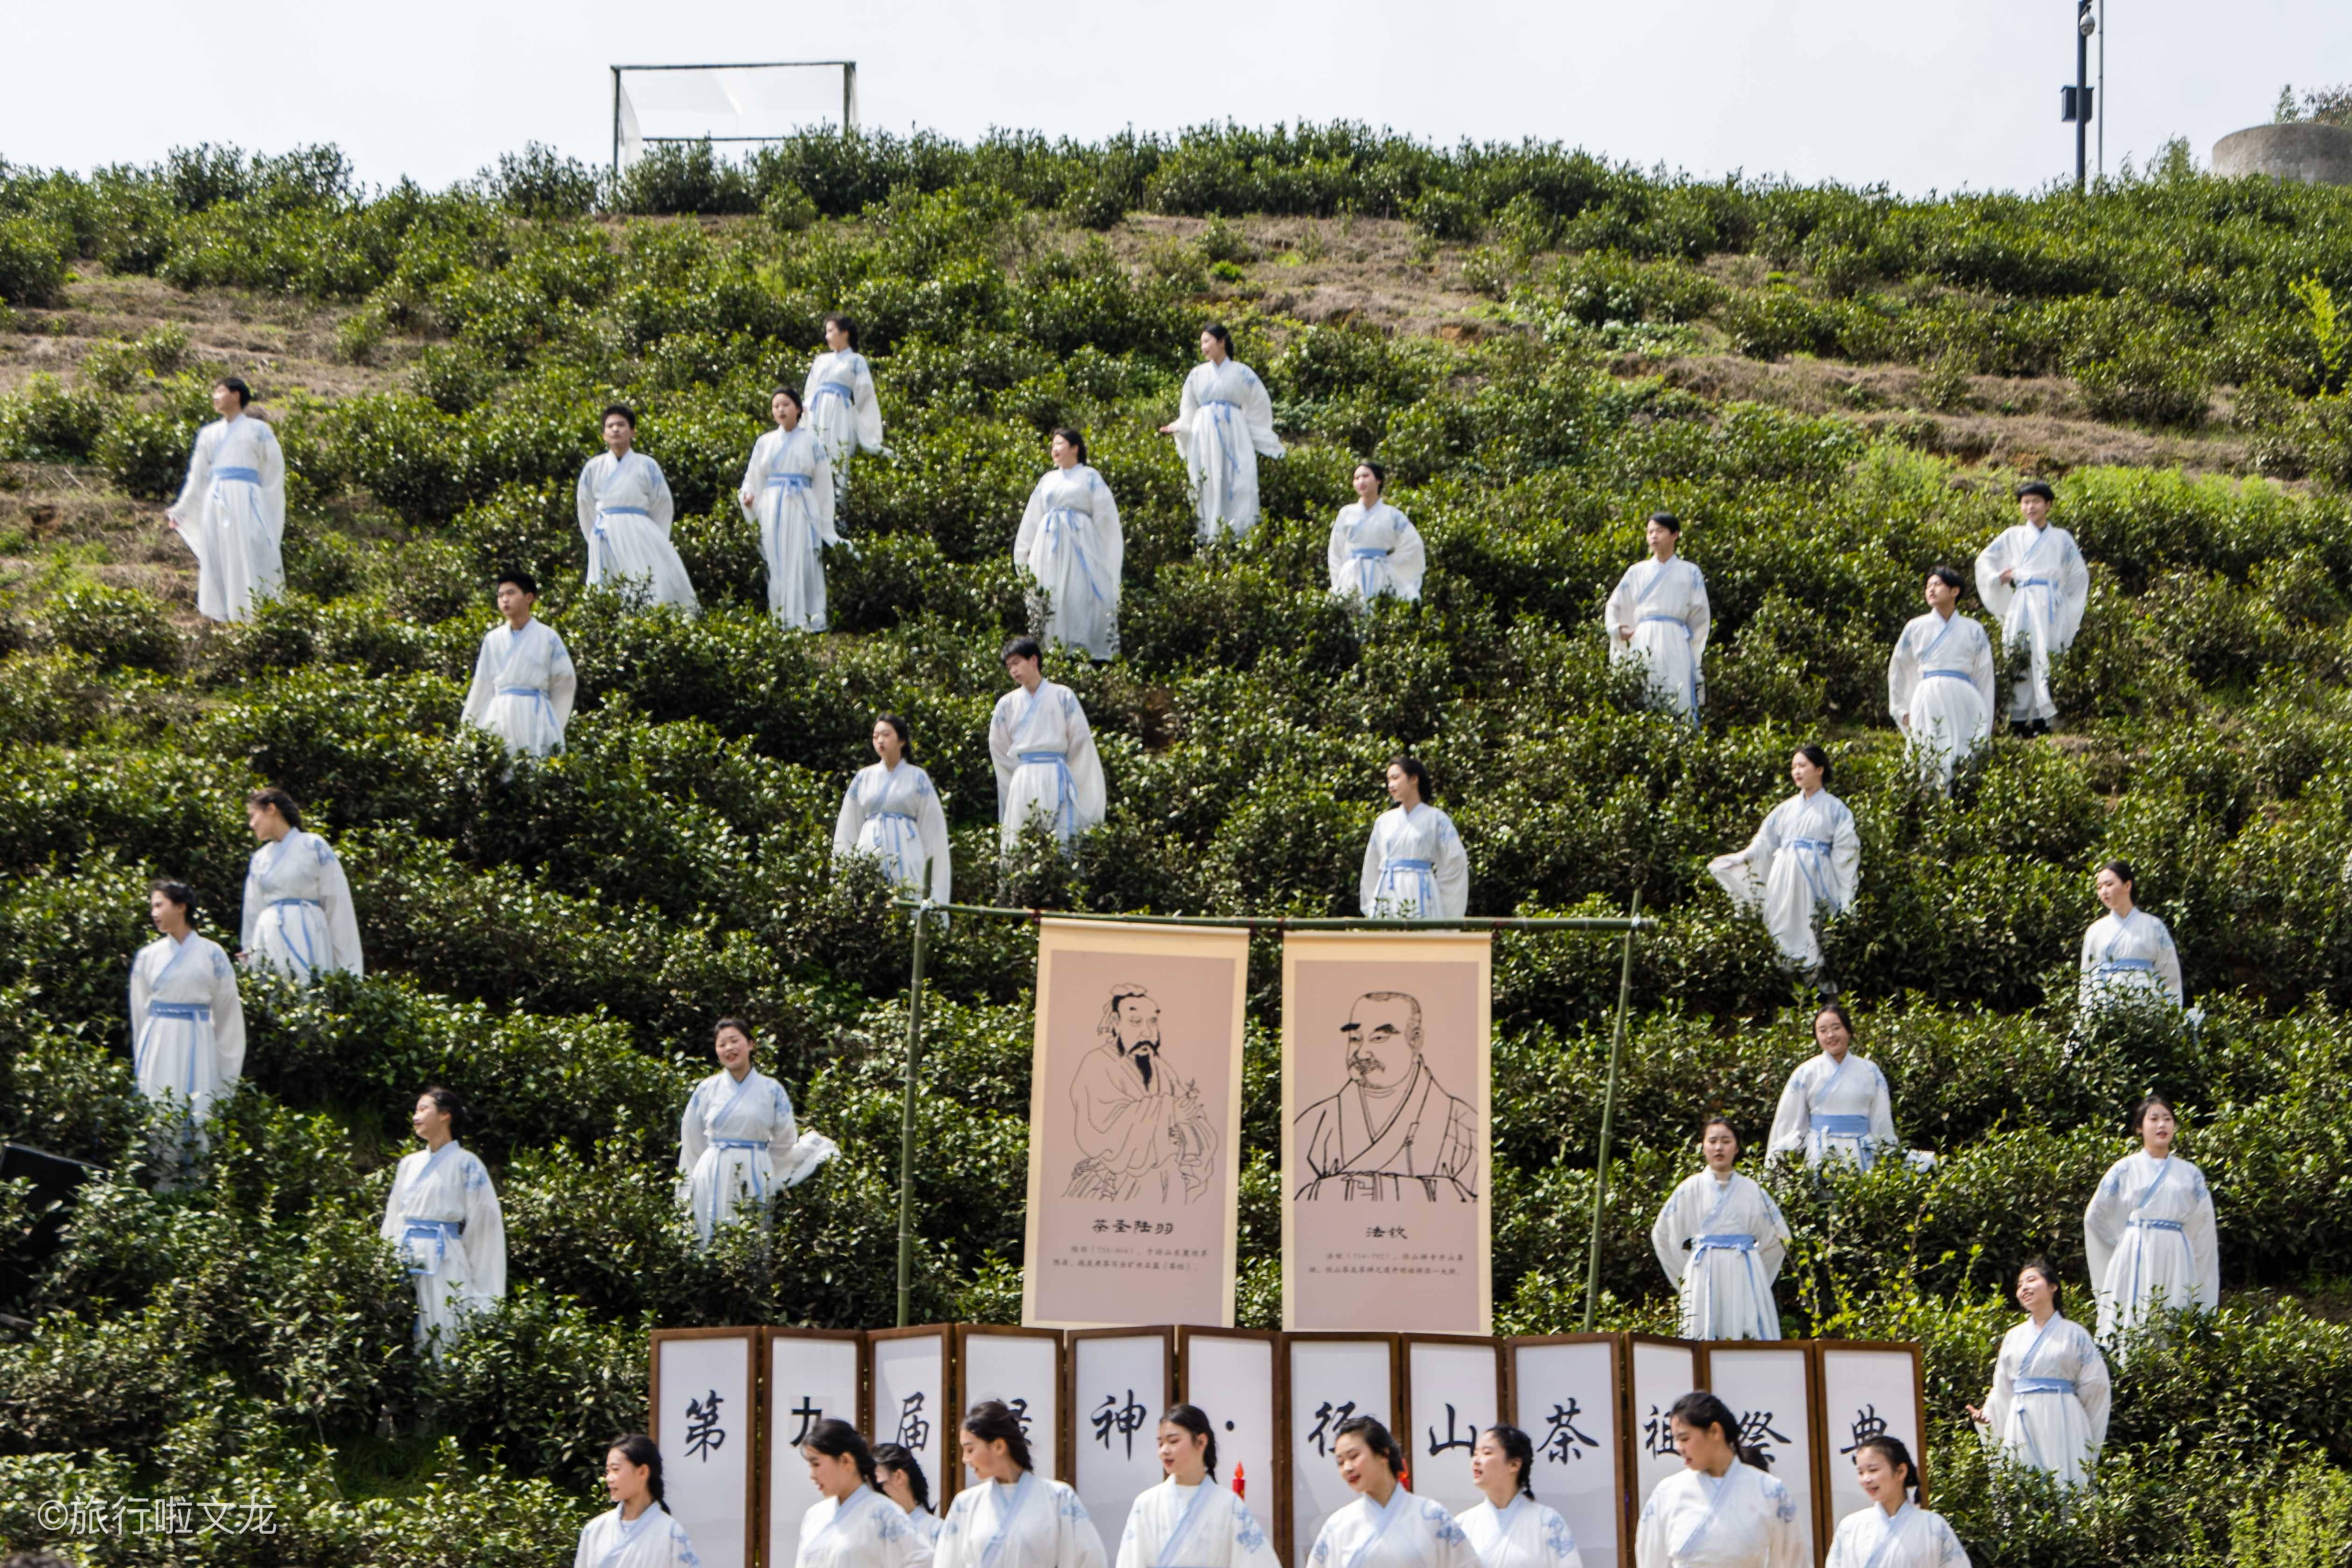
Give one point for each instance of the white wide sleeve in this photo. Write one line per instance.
(1188, 404)
(1784, 1545)
(931, 830)
(755, 480)
(1882, 1111)
(1618, 615)
(1791, 1120)
(1337, 558)
(1982, 672)
(1077, 1543)
(851, 820)
(141, 993)
(1846, 858)
(2087, 987)
(192, 490)
(815, 374)
(1771, 1235)
(486, 1236)
(2204, 1248)
(2091, 1387)
(1257, 407)
(1699, 618)
(2168, 966)
(783, 1127)
(820, 496)
(228, 1022)
(1453, 1544)
(1991, 561)
(583, 499)
(1251, 1548)
(1001, 753)
(658, 502)
(1452, 870)
(1024, 538)
(562, 682)
(1902, 679)
(1111, 539)
(1086, 767)
(343, 918)
(1367, 888)
(1651, 1549)
(1949, 1553)
(2103, 1226)
(249, 913)
(273, 485)
(478, 694)
(693, 1138)
(870, 410)
(1846, 1550)
(1667, 1236)
(390, 1228)
(1742, 872)
(2000, 1397)
(2073, 593)
(1408, 560)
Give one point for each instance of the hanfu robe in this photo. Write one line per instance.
(1910, 1537)
(231, 513)
(2040, 608)
(1032, 1523)
(1224, 422)
(1409, 1532)
(864, 1530)
(1805, 859)
(1141, 1131)
(1665, 601)
(1414, 866)
(655, 1539)
(1046, 764)
(894, 814)
(1737, 1238)
(523, 687)
(839, 397)
(2048, 1407)
(2149, 1234)
(297, 910)
(1375, 553)
(187, 1027)
(625, 515)
(1070, 541)
(925, 1523)
(442, 1218)
(790, 479)
(2128, 956)
(1939, 689)
(1526, 1534)
(1833, 1108)
(1418, 1142)
(1743, 1518)
(737, 1144)
(1207, 1526)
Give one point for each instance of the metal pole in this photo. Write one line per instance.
(616, 122)
(849, 98)
(906, 1123)
(1610, 923)
(2081, 92)
(1609, 1118)
(2103, 91)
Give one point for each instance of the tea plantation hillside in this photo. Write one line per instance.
(1836, 389)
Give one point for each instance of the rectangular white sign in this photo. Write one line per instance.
(911, 1404)
(1450, 1391)
(1566, 1404)
(1867, 1392)
(707, 1400)
(1025, 1370)
(1231, 1378)
(809, 1379)
(1118, 1386)
(1771, 1389)
(1331, 1380)
(1662, 1373)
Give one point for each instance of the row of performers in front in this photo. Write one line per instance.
(1721, 1511)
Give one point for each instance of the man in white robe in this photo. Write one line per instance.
(1044, 749)
(624, 509)
(523, 679)
(1939, 681)
(187, 1026)
(1391, 1131)
(1658, 614)
(1143, 1129)
(2033, 578)
(232, 510)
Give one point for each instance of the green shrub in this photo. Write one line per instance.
(43, 422)
(145, 450)
(32, 258)
(117, 627)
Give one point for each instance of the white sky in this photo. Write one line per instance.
(1942, 95)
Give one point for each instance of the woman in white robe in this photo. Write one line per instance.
(1044, 749)
(787, 495)
(1015, 1518)
(738, 1142)
(1386, 1526)
(852, 1524)
(1895, 1532)
(1188, 1521)
(840, 399)
(901, 1477)
(1805, 862)
(442, 1218)
(1835, 1106)
(2034, 580)
(624, 508)
(640, 1532)
(892, 812)
(1658, 614)
(1375, 551)
(2149, 1230)
(187, 1026)
(1720, 1239)
(1414, 865)
(232, 510)
(1939, 681)
(2048, 1407)
(1071, 543)
(1511, 1529)
(298, 904)
(2127, 952)
(1719, 1511)
(1224, 422)
(524, 683)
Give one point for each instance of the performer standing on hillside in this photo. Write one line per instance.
(2127, 952)
(1414, 865)
(2034, 579)
(1804, 863)
(1895, 1532)
(2149, 1231)
(1071, 542)
(298, 904)
(187, 1026)
(1044, 749)
(624, 509)
(1836, 1105)
(840, 400)
(891, 811)
(640, 1532)
(1658, 614)
(1511, 1529)
(900, 1476)
(232, 510)
(1736, 1236)
(1721, 1509)
(737, 1144)
(443, 1217)
(523, 679)
(1189, 1518)
(1375, 551)
(1224, 422)
(852, 1524)
(788, 495)
(1015, 1518)
(1385, 1526)
(1939, 681)
(2048, 1407)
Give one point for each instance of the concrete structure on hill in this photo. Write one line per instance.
(2299, 149)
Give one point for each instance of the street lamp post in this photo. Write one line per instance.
(2074, 102)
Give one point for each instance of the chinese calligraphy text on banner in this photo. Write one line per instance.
(814, 1375)
(1769, 1386)
(1385, 1110)
(1453, 1392)
(914, 1400)
(1331, 1378)
(1023, 1368)
(705, 1420)
(1119, 1382)
(1663, 1371)
(1567, 1393)
(1232, 1375)
(1134, 1126)
(1867, 1390)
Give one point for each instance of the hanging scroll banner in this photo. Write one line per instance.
(814, 1375)
(1134, 1126)
(1385, 1110)
(706, 1421)
(1768, 1384)
(914, 1400)
(1567, 1393)
(1867, 1390)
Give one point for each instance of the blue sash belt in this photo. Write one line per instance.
(191, 1012)
(1946, 675)
(1670, 620)
(2172, 1225)
(1064, 788)
(305, 903)
(623, 511)
(1842, 1127)
(2110, 966)
(2046, 1386)
(247, 476)
(789, 481)
(440, 1233)
(1362, 554)
(1723, 1243)
(836, 388)
(739, 1142)
(1426, 885)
